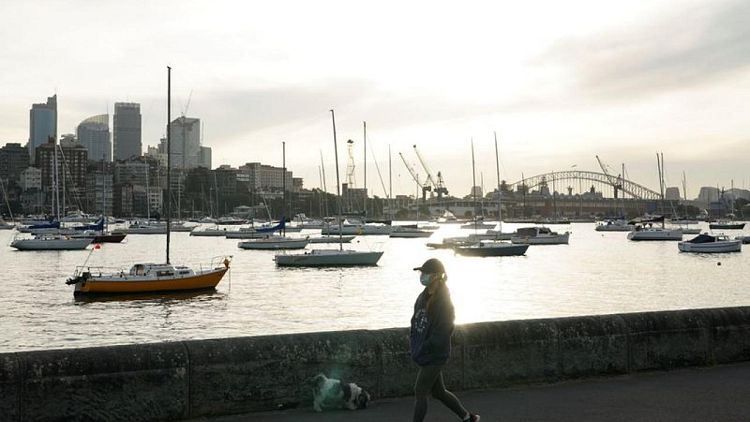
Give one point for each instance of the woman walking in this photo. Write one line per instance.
(430, 338)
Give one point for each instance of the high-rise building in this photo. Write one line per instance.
(185, 142)
(93, 133)
(31, 178)
(14, 159)
(42, 124)
(126, 130)
(205, 157)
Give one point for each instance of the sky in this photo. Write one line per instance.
(559, 82)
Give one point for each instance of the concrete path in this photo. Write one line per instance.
(702, 394)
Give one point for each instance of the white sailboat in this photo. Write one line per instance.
(54, 240)
(540, 236)
(330, 257)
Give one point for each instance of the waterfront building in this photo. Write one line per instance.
(262, 177)
(134, 171)
(42, 125)
(31, 178)
(297, 184)
(72, 161)
(99, 192)
(226, 180)
(122, 200)
(93, 133)
(14, 159)
(126, 130)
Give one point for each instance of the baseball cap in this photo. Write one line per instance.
(431, 266)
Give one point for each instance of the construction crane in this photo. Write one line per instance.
(436, 186)
(614, 181)
(425, 186)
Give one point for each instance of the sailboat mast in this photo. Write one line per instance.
(169, 153)
(499, 194)
(364, 128)
(283, 190)
(390, 183)
(474, 184)
(325, 187)
(338, 182)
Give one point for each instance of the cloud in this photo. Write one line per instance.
(691, 47)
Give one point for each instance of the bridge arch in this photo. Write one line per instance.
(629, 188)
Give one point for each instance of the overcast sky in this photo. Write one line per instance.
(559, 81)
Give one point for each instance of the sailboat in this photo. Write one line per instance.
(331, 257)
(491, 247)
(51, 238)
(643, 232)
(149, 277)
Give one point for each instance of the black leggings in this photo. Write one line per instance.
(430, 381)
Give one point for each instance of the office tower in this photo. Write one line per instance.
(42, 124)
(93, 133)
(126, 128)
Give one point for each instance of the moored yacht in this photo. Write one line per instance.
(50, 242)
(540, 236)
(614, 226)
(705, 243)
(274, 243)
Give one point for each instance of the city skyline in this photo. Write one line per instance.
(621, 82)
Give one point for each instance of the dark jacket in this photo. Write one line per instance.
(430, 334)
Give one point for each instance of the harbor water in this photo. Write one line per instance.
(597, 273)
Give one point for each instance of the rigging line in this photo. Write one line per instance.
(377, 167)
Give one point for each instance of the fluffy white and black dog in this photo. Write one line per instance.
(329, 393)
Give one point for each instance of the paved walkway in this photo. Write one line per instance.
(702, 394)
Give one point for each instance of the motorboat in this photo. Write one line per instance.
(329, 258)
(409, 232)
(331, 239)
(655, 233)
(705, 243)
(614, 226)
(209, 231)
(147, 278)
(50, 242)
(540, 236)
(274, 243)
(492, 248)
(744, 239)
(726, 225)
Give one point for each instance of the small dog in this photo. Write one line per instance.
(329, 393)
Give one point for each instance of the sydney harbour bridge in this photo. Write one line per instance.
(572, 193)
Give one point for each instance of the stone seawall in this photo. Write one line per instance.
(178, 380)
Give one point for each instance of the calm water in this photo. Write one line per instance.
(597, 273)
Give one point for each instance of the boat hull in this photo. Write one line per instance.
(326, 258)
(50, 245)
(733, 226)
(484, 250)
(273, 245)
(655, 235)
(109, 285)
(711, 247)
(410, 234)
(558, 239)
(331, 239)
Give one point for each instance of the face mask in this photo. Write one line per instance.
(425, 279)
